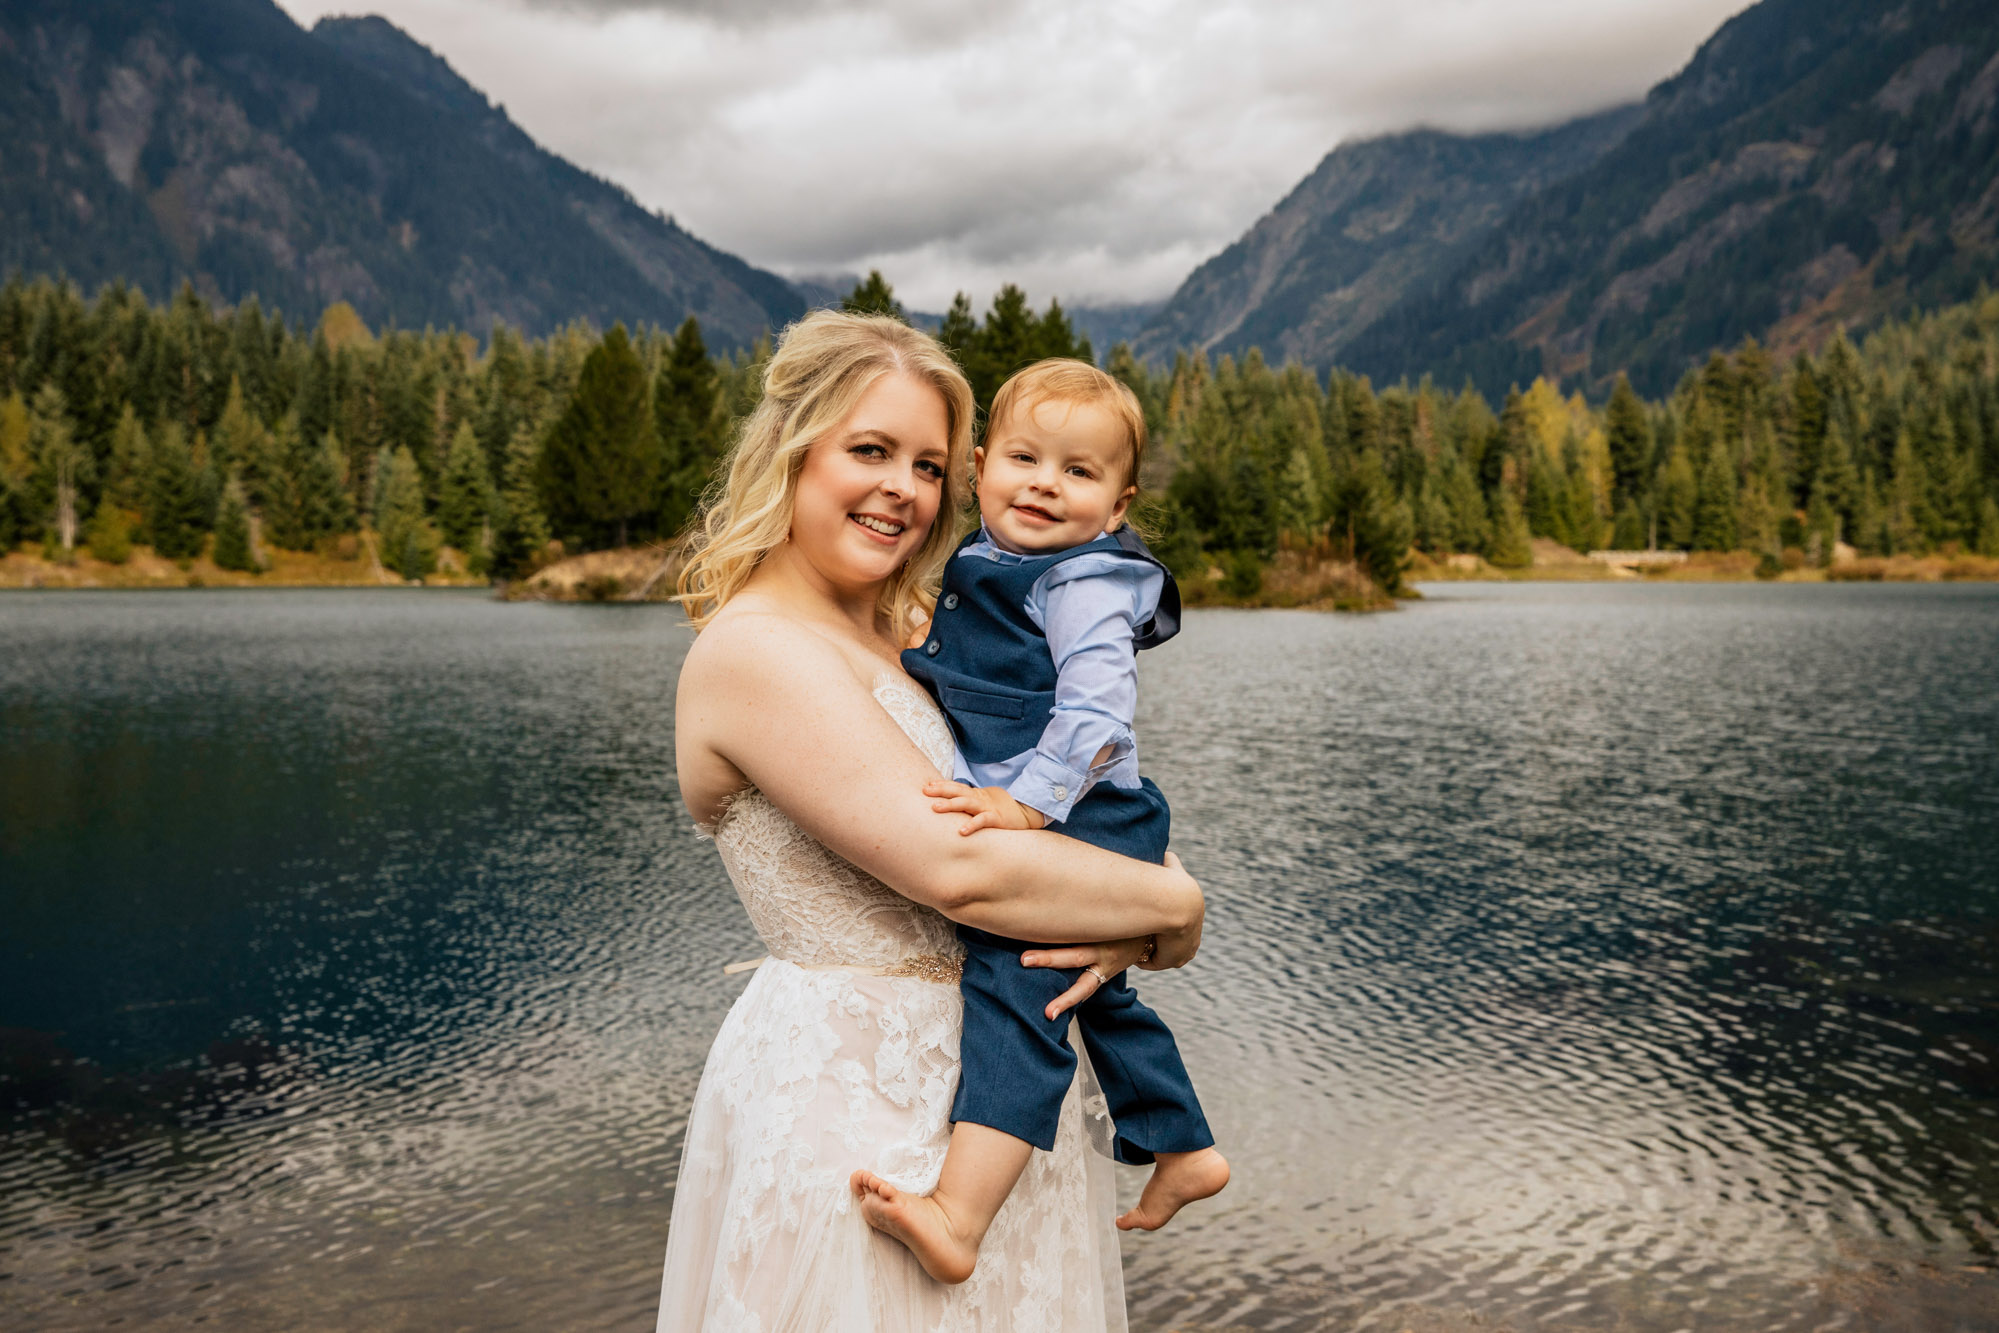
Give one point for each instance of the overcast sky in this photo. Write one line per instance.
(1092, 152)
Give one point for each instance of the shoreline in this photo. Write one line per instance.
(645, 574)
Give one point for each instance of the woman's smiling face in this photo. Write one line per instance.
(871, 487)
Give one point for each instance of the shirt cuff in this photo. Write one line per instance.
(1050, 787)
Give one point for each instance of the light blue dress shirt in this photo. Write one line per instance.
(1090, 608)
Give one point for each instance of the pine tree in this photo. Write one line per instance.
(1511, 547)
(1836, 474)
(688, 426)
(1908, 499)
(232, 531)
(282, 503)
(1010, 338)
(1297, 496)
(237, 442)
(176, 509)
(506, 386)
(1471, 524)
(600, 466)
(520, 531)
(1371, 524)
(1054, 336)
(873, 296)
(408, 542)
(1870, 521)
(1246, 510)
(1629, 435)
(1756, 515)
(1987, 542)
(131, 461)
(1715, 504)
(328, 497)
(1677, 491)
(109, 535)
(465, 498)
(959, 329)
(1581, 523)
(1808, 425)
(1546, 501)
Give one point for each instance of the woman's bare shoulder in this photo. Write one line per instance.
(755, 647)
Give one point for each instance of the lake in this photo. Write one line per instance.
(1594, 957)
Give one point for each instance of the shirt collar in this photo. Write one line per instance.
(985, 547)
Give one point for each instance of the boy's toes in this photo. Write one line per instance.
(865, 1182)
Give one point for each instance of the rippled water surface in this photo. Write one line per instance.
(1579, 957)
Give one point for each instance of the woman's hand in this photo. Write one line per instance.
(1178, 947)
(1100, 962)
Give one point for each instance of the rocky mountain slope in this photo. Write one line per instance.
(1376, 219)
(1817, 164)
(219, 142)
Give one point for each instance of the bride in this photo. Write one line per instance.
(803, 750)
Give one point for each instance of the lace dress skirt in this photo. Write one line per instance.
(817, 1072)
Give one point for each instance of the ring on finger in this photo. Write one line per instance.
(1102, 980)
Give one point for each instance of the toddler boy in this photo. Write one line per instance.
(1030, 654)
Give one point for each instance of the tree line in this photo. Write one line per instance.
(230, 431)
(1891, 447)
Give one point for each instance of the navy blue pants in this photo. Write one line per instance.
(1017, 1065)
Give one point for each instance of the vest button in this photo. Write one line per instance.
(950, 601)
(932, 647)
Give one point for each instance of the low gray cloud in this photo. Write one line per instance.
(1095, 153)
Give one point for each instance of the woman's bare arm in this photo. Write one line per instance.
(787, 709)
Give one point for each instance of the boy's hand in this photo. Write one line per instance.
(918, 633)
(989, 807)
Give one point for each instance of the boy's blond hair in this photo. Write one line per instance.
(1062, 379)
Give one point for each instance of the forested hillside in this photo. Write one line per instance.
(191, 430)
(196, 431)
(150, 142)
(1818, 163)
(1891, 447)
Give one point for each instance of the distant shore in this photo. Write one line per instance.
(1555, 563)
(645, 573)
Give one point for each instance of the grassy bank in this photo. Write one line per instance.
(349, 562)
(1308, 579)
(1553, 562)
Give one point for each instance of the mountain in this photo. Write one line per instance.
(221, 143)
(1818, 164)
(1108, 325)
(1376, 219)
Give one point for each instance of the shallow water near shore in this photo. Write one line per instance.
(1607, 957)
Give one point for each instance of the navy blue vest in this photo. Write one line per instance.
(988, 664)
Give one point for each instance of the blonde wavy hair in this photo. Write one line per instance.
(822, 367)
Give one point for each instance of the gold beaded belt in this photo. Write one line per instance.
(944, 969)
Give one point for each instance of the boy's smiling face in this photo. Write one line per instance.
(1053, 475)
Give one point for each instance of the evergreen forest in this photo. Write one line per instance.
(226, 432)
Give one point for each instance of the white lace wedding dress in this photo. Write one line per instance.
(843, 1053)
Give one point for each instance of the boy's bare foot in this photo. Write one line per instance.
(919, 1222)
(1178, 1178)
